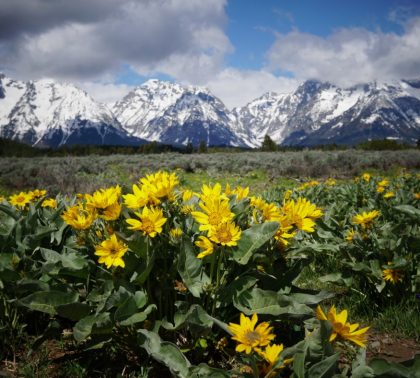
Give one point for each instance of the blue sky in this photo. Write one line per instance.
(237, 48)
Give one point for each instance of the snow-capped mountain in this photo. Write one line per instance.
(46, 113)
(175, 114)
(321, 113)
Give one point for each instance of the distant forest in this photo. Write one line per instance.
(10, 148)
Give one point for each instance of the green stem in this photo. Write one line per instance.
(254, 367)
(215, 291)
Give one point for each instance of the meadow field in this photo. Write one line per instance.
(251, 264)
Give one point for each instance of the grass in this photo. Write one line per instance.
(397, 319)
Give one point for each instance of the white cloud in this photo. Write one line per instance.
(238, 87)
(349, 56)
(184, 39)
(106, 93)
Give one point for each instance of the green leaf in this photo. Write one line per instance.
(409, 210)
(238, 286)
(47, 301)
(324, 368)
(68, 260)
(194, 315)
(164, 352)
(139, 316)
(100, 323)
(130, 306)
(269, 302)
(190, 269)
(337, 278)
(204, 370)
(252, 239)
(73, 311)
(10, 211)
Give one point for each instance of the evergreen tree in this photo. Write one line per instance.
(202, 147)
(268, 144)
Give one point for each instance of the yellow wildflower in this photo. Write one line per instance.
(187, 195)
(351, 234)
(160, 184)
(225, 233)
(79, 216)
(392, 275)
(215, 212)
(105, 201)
(205, 244)
(331, 182)
(389, 195)
(140, 197)
(175, 233)
(150, 223)
(249, 336)
(111, 251)
(302, 214)
(37, 193)
(21, 199)
(416, 196)
(287, 194)
(341, 328)
(365, 219)
(49, 202)
(366, 176)
(240, 192)
(210, 193)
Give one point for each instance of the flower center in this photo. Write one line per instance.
(148, 226)
(224, 235)
(252, 337)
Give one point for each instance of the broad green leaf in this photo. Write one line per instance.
(67, 260)
(194, 315)
(235, 288)
(204, 370)
(190, 269)
(130, 306)
(139, 316)
(409, 210)
(30, 286)
(47, 301)
(252, 239)
(73, 311)
(325, 368)
(337, 278)
(88, 325)
(164, 352)
(407, 369)
(269, 302)
(310, 299)
(10, 211)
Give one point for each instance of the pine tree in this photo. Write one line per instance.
(268, 144)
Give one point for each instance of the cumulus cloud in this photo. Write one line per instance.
(238, 87)
(90, 39)
(107, 93)
(349, 56)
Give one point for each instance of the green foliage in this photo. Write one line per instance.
(268, 144)
(169, 309)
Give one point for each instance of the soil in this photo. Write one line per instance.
(391, 348)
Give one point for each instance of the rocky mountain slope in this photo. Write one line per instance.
(47, 113)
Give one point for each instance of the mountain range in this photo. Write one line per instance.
(46, 113)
